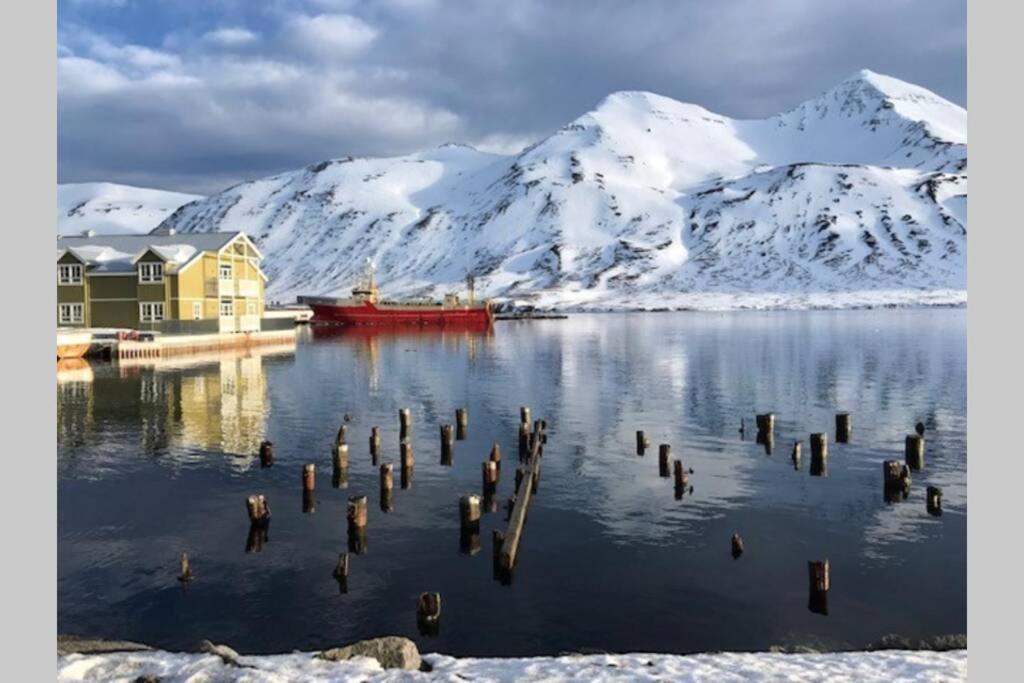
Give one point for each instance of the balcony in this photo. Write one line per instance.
(248, 288)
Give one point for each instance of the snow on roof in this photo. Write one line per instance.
(175, 253)
(117, 253)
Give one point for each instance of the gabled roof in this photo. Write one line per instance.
(119, 253)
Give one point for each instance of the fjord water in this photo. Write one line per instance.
(154, 460)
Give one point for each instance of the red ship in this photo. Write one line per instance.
(365, 307)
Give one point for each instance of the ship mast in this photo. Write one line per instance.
(470, 282)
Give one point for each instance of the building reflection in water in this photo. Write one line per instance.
(204, 402)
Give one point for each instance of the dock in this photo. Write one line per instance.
(531, 316)
(160, 346)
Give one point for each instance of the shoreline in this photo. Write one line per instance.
(394, 658)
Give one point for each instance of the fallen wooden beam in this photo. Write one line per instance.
(524, 493)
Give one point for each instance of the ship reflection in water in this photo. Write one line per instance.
(178, 409)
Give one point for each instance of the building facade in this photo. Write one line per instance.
(171, 283)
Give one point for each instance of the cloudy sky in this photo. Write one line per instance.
(195, 95)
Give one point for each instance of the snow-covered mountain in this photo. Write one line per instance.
(858, 195)
(109, 208)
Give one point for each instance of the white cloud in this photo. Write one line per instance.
(230, 37)
(329, 35)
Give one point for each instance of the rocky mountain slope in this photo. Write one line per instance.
(855, 197)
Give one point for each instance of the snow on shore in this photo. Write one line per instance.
(890, 665)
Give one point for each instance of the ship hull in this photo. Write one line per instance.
(366, 313)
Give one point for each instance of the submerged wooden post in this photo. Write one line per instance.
(664, 458)
(819, 445)
(844, 425)
(339, 477)
(186, 572)
(404, 423)
(495, 455)
(914, 451)
(933, 500)
(387, 480)
(737, 545)
(342, 434)
(896, 480)
(524, 415)
(266, 453)
(308, 477)
(797, 447)
(469, 511)
(308, 502)
(374, 445)
(765, 423)
(490, 476)
(461, 417)
(341, 456)
(524, 440)
(818, 586)
(258, 509)
(341, 572)
(428, 612)
(641, 442)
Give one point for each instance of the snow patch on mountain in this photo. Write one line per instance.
(114, 209)
(644, 202)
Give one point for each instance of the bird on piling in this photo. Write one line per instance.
(347, 417)
(919, 428)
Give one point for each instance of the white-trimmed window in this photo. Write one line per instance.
(225, 272)
(71, 313)
(69, 274)
(151, 272)
(151, 311)
(227, 309)
(197, 310)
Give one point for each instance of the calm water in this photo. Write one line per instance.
(149, 466)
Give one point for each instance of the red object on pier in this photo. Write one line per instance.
(365, 307)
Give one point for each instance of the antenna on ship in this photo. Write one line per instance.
(470, 283)
(368, 270)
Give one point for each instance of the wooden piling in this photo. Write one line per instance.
(844, 426)
(387, 480)
(680, 474)
(266, 453)
(641, 442)
(185, 575)
(308, 477)
(819, 446)
(428, 607)
(795, 457)
(765, 423)
(462, 417)
(404, 424)
(341, 569)
(469, 511)
(933, 500)
(495, 455)
(339, 477)
(406, 477)
(524, 415)
(737, 545)
(818, 586)
(896, 480)
(258, 509)
(447, 445)
(342, 434)
(524, 439)
(405, 456)
(308, 502)
(341, 456)
(490, 476)
(664, 460)
(356, 518)
(914, 451)
(374, 445)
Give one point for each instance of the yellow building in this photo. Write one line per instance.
(172, 283)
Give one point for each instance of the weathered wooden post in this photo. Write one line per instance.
(308, 502)
(374, 445)
(844, 426)
(766, 439)
(341, 456)
(680, 475)
(641, 442)
(933, 501)
(765, 423)
(342, 434)
(461, 423)
(258, 509)
(356, 517)
(387, 486)
(469, 511)
(819, 454)
(914, 451)
(447, 444)
(524, 415)
(404, 424)
(797, 447)
(896, 480)
(308, 477)
(266, 454)
(405, 455)
(186, 572)
(428, 613)
(737, 546)
(341, 572)
(490, 477)
(339, 477)
(664, 460)
(818, 586)
(524, 440)
(495, 455)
